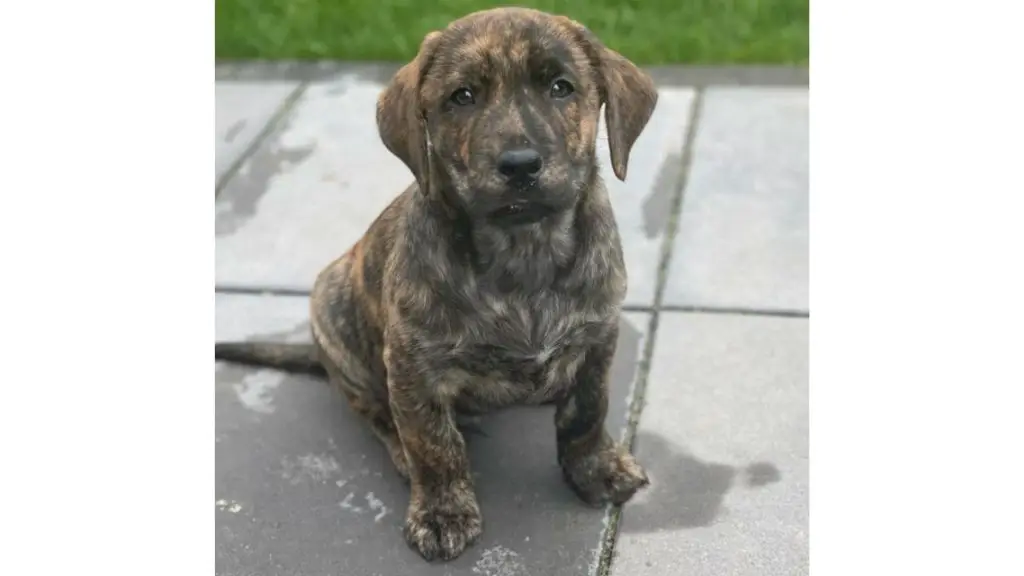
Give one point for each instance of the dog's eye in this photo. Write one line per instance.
(561, 88)
(462, 97)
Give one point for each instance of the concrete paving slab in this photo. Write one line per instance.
(643, 202)
(310, 190)
(317, 183)
(743, 232)
(303, 488)
(724, 433)
(243, 110)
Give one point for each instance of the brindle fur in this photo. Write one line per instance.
(443, 307)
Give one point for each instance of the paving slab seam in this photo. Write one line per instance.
(287, 292)
(664, 75)
(725, 310)
(614, 513)
(261, 290)
(268, 128)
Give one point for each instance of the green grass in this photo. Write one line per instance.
(647, 31)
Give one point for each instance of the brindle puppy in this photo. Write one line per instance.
(497, 278)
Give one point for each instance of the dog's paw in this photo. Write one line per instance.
(441, 532)
(608, 476)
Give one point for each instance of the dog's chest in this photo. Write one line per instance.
(520, 350)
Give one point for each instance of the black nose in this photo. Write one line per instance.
(524, 162)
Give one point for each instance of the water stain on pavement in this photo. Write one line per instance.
(695, 489)
(240, 199)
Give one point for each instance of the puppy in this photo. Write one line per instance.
(497, 277)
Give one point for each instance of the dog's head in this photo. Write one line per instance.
(501, 110)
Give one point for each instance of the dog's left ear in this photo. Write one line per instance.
(628, 95)
(400, 120)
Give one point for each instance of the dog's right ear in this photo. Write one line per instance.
(627, 93)
(400, 120)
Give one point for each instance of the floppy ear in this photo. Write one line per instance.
(400, 120)
(628, 95)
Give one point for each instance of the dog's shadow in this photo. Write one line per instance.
(685, 491)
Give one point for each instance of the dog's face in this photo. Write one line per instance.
(501, 108)
(511, 108)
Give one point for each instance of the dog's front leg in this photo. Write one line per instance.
(443, 516)
(597, 468)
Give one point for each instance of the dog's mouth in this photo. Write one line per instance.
(521, 213)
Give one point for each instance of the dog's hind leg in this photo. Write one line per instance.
(378, 415)
(366, 392)
(348, 339)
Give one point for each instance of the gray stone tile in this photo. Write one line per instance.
(309, 192)
(315, 185)
(642, 203)
(242, 112)
(302, 487)
(724, 435)
(743, 231)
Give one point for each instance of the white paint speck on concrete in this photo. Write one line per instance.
(500, 561)
(229, 506)
(378, 505)
(313, 467)
(256, 389)
(373, 504)
(347, 504)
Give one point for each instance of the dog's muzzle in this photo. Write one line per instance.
(520, 168)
